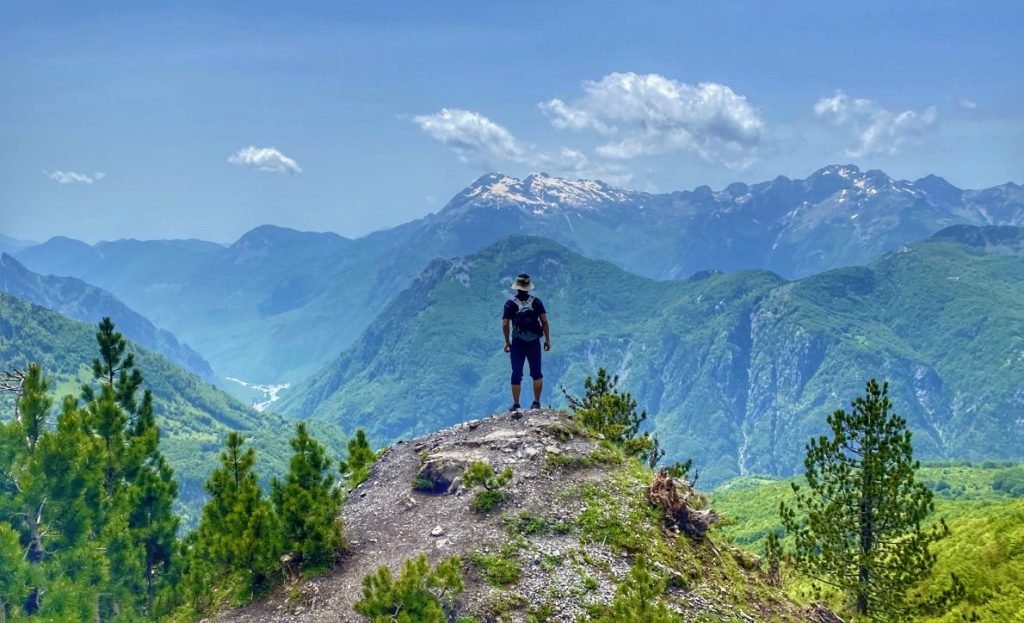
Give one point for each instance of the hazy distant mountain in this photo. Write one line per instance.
(738, 369)
(13, 245)
(78, 300)
(278, 304)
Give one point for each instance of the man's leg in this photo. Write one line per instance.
(517, 355)
(533, 356)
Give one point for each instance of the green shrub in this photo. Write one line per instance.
(613, 415)
(541, 613)
(424, 484)
(416, 596)
(486, 500)
(638, 599)
(356, 467)
(492, 495)
(525, 523)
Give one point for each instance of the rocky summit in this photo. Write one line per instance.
(577, 515)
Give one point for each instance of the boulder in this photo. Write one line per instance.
(440, 470)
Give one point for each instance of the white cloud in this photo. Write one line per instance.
(876, 130)
(264, 159)
(565, 117)
(967, 103)
(476, 139)
(649, 114)
(70, 177)
(481, 142)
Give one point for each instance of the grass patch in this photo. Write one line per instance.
(526, 523)
(500, 569)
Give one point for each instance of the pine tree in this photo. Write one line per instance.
(115, 366)
(613, 414)
(308, 503)
(21, 462)
(356, 467)
(45, 479)
(238, 533)
(135, 518)
(416, 596)
(863, 508)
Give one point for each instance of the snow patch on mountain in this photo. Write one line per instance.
(541, 192)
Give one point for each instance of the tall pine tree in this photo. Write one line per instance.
(308, 502)
(237, 536)
(137, 524)
(857, 523)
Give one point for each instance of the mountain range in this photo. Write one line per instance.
(277, 304)
(738, 369)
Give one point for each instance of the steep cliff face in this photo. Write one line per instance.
(577, 517)
(737, 369)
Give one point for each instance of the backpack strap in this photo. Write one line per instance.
(523, 305)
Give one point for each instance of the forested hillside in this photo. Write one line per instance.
(194, 417)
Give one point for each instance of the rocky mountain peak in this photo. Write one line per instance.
(540, 192)
(940, 189)
(565, 484)
(845, 171)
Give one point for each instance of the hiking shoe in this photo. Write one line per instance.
(515, 407)
(535, 405)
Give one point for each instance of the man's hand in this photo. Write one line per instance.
(508, 347)
(547, 345)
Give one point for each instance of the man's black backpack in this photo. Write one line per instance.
(526, 321)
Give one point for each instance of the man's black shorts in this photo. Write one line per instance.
(521, 352)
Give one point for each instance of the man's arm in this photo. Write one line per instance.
(547, 331)
(505, 329)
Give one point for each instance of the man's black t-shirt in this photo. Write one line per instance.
(509, 312)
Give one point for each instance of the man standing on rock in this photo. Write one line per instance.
(528, 319)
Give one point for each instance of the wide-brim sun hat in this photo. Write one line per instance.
(522, 282)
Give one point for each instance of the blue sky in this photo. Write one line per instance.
(134, 119)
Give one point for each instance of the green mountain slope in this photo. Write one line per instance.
(736, 369)
(194, 417)
(984, 507)
(78, 300)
